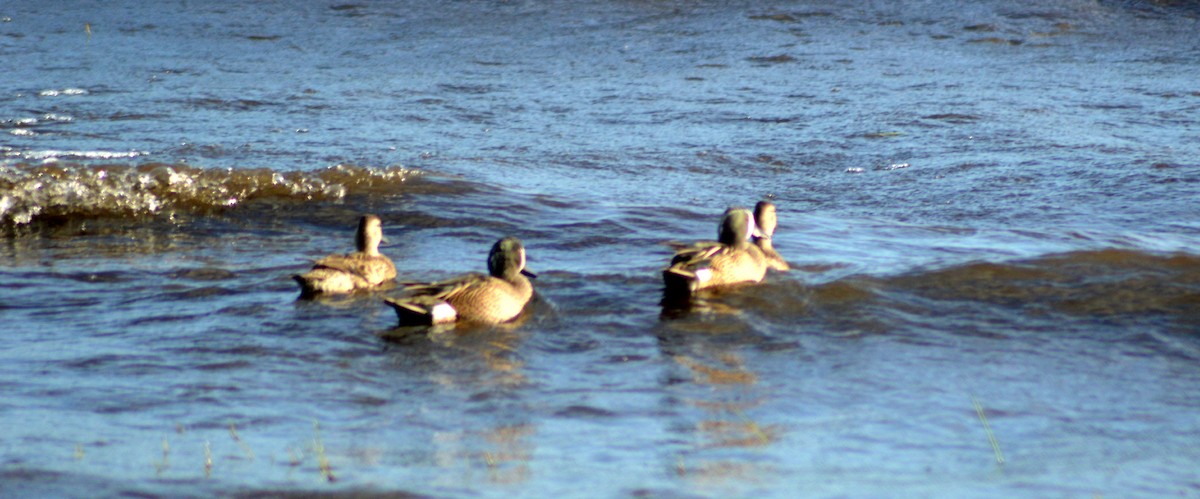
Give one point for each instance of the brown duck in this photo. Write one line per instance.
(497, 297)
(361, 270)
(732, 259)
(764, 217)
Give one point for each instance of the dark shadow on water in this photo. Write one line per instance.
(470, 356)
(342, 300)
(342, 494)
(1107, 286)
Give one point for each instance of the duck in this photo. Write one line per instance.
(765, 219)
(493, 298)
(364, 269)
(732, 259)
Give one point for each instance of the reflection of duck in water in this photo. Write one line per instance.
(364, 269)
(487, 299)
(764, 217)
(732, 259)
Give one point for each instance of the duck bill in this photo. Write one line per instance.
(528, 274)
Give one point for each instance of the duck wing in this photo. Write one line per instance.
(696, 254)
(442, 290)
(372, 269)
(427, 302)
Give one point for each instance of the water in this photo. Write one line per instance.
(991, 207)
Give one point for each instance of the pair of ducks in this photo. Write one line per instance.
(497, 297)
(742, 253)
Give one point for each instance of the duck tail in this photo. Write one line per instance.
(411, 313)
(679, 281)
(308, 288)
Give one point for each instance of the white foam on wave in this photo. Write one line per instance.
(62, 92)
(25, 123)
(51, 155)
(61, 189)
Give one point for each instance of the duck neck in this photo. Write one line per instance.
(369, 248)
(367, 245)
(511, 274)
(764, 243)
(739, 245)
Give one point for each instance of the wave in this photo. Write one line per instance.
(1105, 287)
(1107, 282)
(58, 191)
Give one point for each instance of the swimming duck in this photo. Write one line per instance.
(731, 259)
(764, 217)
(361, 270)
(497, 297)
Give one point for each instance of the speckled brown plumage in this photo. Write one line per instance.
(361, 270)
(497, 297)
(732, 259)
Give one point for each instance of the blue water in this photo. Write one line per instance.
(991, 209)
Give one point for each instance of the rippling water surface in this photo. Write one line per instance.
(992, 210)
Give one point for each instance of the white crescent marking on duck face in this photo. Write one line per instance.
(703, 275)
(750, 226)
(522, 259)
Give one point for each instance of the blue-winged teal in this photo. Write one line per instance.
(731, 259)
(361, 270)
(485, 299)
(764, 217)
